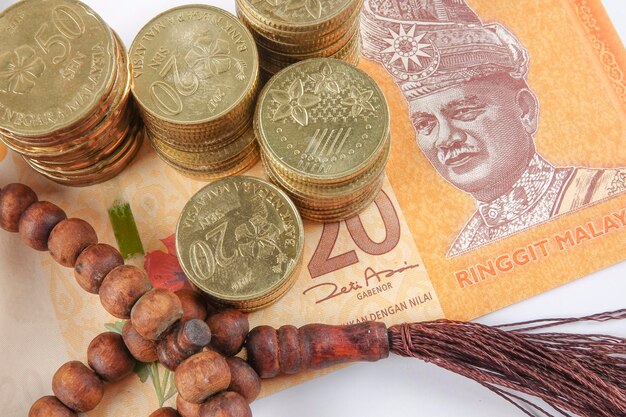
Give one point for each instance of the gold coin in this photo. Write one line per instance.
(220, 156)
(223, 125)
(200, 141)
(345, 213)
(57, 60)
(254, 305)
(275, 63)
(298, 42)
(240, 239)
(333, 191)
(209, 173)
(299, 16)
(106, 169)
(323, 119)
(193, 64)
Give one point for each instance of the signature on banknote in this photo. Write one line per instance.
(372, 283)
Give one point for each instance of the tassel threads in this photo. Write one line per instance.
(580, 374)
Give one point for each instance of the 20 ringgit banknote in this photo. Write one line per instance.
(506, 178)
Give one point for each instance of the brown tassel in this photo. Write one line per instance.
(580, 374)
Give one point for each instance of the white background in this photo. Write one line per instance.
(396, 386)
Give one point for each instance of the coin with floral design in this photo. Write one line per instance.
(57, 61)
(240, 240)
(323, 119)
(193, 64)
(300, 14)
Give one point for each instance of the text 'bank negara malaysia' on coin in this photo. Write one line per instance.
(240, 240)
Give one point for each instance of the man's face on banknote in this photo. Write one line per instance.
(478, 135)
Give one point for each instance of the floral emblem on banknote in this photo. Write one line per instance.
(211, 57)
(294, 103)
(312, 7)
(407, 46)
(20, 69)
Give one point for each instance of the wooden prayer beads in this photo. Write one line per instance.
(155, 313)
(201, 376)
(126, 292)
(94, 263)
(165, 412)
(77, 386)
(194, 306)
(68, 239)
(50, 406)
(142, 349)
(37, 222)
(226, 404)
(229, 329)
(185, 340)
(243, 379)
(121, 289)
(14, 200)
(187, 409)
(109, 357)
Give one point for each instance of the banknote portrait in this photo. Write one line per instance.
(476, 116)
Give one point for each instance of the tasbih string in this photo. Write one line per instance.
(580, 374)
(583, 375)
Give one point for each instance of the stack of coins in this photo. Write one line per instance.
(240, 240)
(64, 92)
(296, 30)
(323, 126)
(196, 78)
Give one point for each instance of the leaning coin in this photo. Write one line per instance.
(239, 239)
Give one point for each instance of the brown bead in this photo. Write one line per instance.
(185, 340)
(243, 379)
(50, 406)
(194, 306)
(187, 409)
(77, 386)
(201, 376)
(109, 358)
(38, 221)
(14, 200)
(94, 263)
(226, 404)
(155, 313)
(142, 349)
(194, 335)
(169, 353)
(121, 289)
(165, 412)
(229, 329)
(68, 239)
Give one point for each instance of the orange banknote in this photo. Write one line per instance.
(506, 179)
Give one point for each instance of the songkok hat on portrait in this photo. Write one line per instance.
(431, 45)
